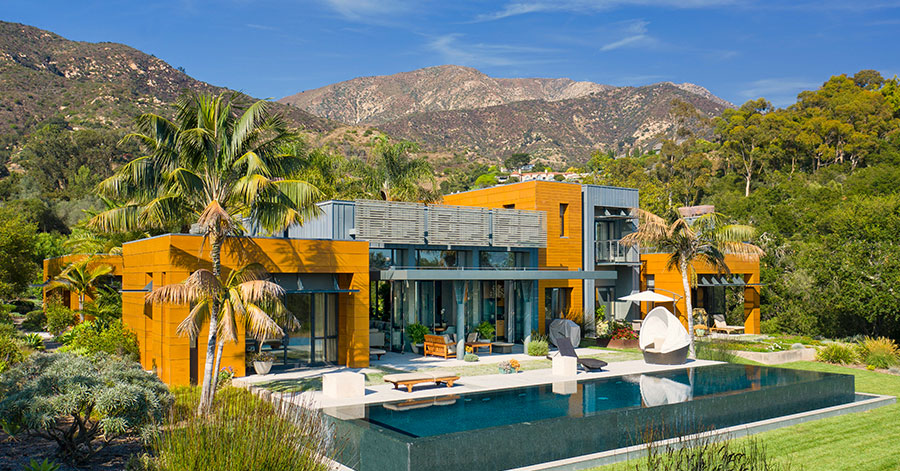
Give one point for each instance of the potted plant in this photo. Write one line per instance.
(485, 330)
(262, 362)
(623, 336)
(604, 333)
(416, 334)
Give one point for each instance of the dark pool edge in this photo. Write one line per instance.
(862, 403)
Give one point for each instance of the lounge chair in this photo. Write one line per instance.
(411, 379)
(721, 326)
(475, 343)
(440, 346)
(567, 350)
(663, 339)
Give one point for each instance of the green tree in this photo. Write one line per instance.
(18, 248)
(241, 296)
(217, 164)
(517, 161)
(706, 240)
(745, 136)
(395, 176)
(81, 278)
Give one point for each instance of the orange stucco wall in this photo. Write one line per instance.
(562, 251)
(55, 266)
(655, 264)
(171, 258)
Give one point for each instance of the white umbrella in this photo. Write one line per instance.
(647, 296)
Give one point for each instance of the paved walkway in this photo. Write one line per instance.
(466, 384)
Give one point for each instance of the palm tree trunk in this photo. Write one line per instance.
(688, 307)
(214, 380)
(206, 394)
(81, 306)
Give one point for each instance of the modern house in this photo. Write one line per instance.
(516, 256)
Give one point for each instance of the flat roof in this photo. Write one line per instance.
(445, 274)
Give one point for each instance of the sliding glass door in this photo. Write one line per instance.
(314, 341)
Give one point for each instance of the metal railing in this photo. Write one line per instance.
(612, 251)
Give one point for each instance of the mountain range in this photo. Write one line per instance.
(449, 110)
(43, 75)
(454, 107)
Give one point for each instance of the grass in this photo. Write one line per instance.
(867, 441)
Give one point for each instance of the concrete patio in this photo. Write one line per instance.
(466, 384)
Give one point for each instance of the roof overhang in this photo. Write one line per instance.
(477, 275)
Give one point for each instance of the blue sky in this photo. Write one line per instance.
(738, 49)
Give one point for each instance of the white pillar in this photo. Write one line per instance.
(459, 288)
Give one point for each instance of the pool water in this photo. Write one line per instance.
(522, 426)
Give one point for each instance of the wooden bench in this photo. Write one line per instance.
(411, 379)
(439, 346)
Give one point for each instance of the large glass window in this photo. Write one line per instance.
(312, 339)
(556, 303)
(382, 259)
(502, 259)
(437, 258)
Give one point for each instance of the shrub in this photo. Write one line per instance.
(538, 348)
(714, 351)
(72, 400)
(106, 306)
(881, 360)
(93, 337)
(59, 317)
(34, 341)
(5, 313)
(880, 352)
(416, 332)
(703, 456)
(770, 326)
(34, 321)
(470, 357)
(42, 466)
(243, 432)
(12, 352)
(837, 353)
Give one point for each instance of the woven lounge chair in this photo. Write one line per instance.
(567, 350)
(663, 340)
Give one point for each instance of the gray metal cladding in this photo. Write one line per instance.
(610, 196)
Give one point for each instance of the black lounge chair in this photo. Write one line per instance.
(567, 350)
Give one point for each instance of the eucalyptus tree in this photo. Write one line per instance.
(218, 164)
(706, 239)
(82, 278)
(243, 296)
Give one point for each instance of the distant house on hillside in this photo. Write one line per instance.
(548, 176)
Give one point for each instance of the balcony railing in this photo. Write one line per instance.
(612, 251)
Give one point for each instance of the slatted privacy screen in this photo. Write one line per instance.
(515, 228)
(415, 223)
(390, 222)
(458, 225)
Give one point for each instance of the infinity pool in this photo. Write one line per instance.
(522, 426)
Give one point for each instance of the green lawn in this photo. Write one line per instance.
(861, 441)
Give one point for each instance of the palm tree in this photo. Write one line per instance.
(395, 176)
(706, 239)
(243, 295)
(81, 278)
(218, 164)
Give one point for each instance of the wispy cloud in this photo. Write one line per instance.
(455, 51)
(369, 11)
(261, 27)
(631, 34)
(779, 91)
(588, 6)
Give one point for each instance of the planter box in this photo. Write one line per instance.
(777, 358)
(622, 343)
(602, 342)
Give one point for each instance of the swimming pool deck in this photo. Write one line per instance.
(466, 384)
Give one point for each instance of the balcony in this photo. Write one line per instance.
(613, 252)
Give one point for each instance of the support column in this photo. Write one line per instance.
(528, 288)
(459, 290)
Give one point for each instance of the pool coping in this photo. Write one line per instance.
(863, 402)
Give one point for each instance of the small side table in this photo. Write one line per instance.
(502, 347)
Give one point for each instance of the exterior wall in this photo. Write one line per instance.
(54, 266)
(171, 258)
(655, 264)
(561, 252)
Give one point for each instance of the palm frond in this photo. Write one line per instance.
(192, 324)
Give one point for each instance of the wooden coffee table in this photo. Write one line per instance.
(476, 345)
